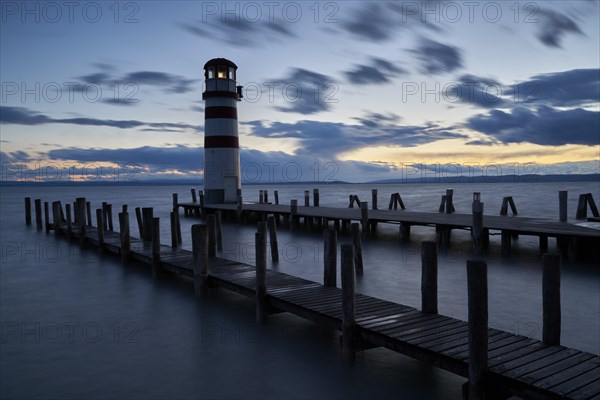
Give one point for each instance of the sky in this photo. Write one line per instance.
(352, 91)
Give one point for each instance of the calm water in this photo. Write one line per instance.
(75, 325)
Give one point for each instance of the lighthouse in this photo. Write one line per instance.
(222, 183)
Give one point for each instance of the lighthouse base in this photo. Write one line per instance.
(214, 196)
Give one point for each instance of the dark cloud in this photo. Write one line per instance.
(97, 78)
(482, 92)
(15, 157)
(377, 71)
(544, 126)
(554, 26)
(24, 116)
(437, 57)
(240, 32)
(169, 82)
(307, 92)
(121, 102)
(374, 120)
(330, 139)
(567, 88)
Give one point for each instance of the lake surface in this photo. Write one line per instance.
(76, 325)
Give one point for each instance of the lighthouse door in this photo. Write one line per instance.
(231, 185)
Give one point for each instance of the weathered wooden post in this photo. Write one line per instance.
(81, 223)
(124, 235)
(176, 202)
(505, 243)
(265, 196)
(260, 243)
(581, 207)
(74, 220)
(240, 209)
(212, 235)
(477, 228)
(316, 197)
(155, 247)
(28, 210)
(374, 199)
(551, 299)
(562, 205)
(38, 214)
(46, 217)
(56, 219)
(357, 245)
(330, 257)
(364, 216)
(105, 214)
(219, 236)
(109, 217)
(100, 228)
(147, 216)
(173, 220)
(261, 196)
(194, 199)
(442, 207)
(293, 214)
(140, 222)
(88, 211)
(276, 195)
(69, 220)
(404, 232)
(273, 238)
(429, 277)
(478, 327)
(449, 204)
(200, 258)
(348, 301)
(178, 228)
(306, 198)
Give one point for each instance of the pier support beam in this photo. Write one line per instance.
(348, 301)
(478, 327)
(38, 214)
(46, 217)
(506, 243)
(477, 227)
(357, 246)
(28, 210)
(364, 216)
(404, 232)
(330, 257)
(124, 236)
(147, 216)
(100, 228)
(293, 214)
(273, 238)
(429, 277)
(200, 258)
(551, 299)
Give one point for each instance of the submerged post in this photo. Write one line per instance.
(273, 238)
(260, 243)
(330, 257)
(125, 236)
(200, 258)
(348, 301)
(28, 210)
(478, 326)
(155, 247)
(551, 299)
(38, 214)
(357, 245)
(562, 205)
(429, 277)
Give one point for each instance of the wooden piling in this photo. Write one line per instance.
(477, 227)
(581, 207)
(543, 243)
(265, 196)
(478, 327)
(219, 236)
(200, 258)
(260, 244)
(100, 228)
(147, 216)
(173, 220)
(125, 236)
(551, 299)
(442, 207)
(330, 257)
(316, 197)
(404, 232)
(212, 235)
(562, 205)
(348, 301)
(28, 210)
(46, 217)
(506, 243)
(109, 217)
(69, 220)
(293, 213)
(273, 238)
(155, 247)
(105, 214)
(38, 214)
(364, 216)
(261, 198)
(124, 208)
(176, 202)
(374, 199)
(88, 211)
(140, 222)
(56, 219)
(194, 199)
(81, 219)
(178, 227)
(508, 201)
(306, 198)
(429, 277)
(276, 196)
(357, 245)
(449, 203)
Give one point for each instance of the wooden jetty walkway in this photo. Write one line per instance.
(497, 363)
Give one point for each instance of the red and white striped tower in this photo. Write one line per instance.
(222, 183)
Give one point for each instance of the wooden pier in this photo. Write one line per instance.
(497, 363)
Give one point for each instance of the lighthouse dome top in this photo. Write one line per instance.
(219, 61)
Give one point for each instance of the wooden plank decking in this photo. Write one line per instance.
(517, 365)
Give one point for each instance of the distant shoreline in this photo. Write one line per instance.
(405, 181)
